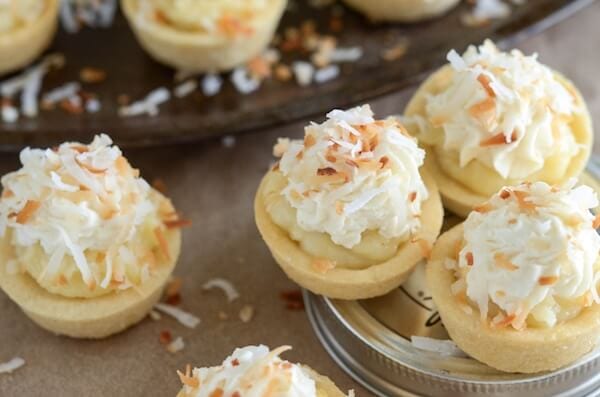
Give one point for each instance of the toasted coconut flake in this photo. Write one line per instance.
(339, 207)
(323, 265)
(31, 206)
(503, 262)
(396, 52)
(184, 318)
(186, 88)
(524, 204)
(218, 392)
(172, 291)
(246, 313)
(187, 378)
(596, 222)
(498, 139)
(412, 197)
(328, 171)
(309, 140)
(92, 75)
(177, 223)
(293, 300)
(503, 321)
(225, 285)
(469, 258)
(154, 315)
(383, 162)
(485, 82)
(505, 193)
(165, 337)
(162, 242)
(12, 365)
(283, 73)
(547, 280)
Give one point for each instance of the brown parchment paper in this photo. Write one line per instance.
(214, 186)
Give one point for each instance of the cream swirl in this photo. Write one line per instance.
(16, 13)
(82, 209)
(505, 110)
(532, 250)
(230, 17)
(251, 371)
(354, 173)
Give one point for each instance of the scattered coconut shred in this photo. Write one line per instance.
(183, 317)
(149, 105)
(443, 347)
(225, 285)
(12, 365)
(485, 11)
(74, 14)
(176, 345)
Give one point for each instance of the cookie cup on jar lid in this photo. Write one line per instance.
(30, 29)
(461, 115)
(402, 10)
(86, 245)
(203, 36)
(517, 309)
(347, 213)
(252, 370)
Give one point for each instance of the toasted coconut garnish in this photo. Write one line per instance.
(259, 68)
(172, 291)
(92, 75)
(246, 313)
(309, 140)
(331, 158)
(483, 208)
(323, 265)
(165, 337)
(457, 248)
(524, 204)
(218, 392)
(383, 161)
(469, 258)
(424, 246)
(160, 185)
(499, 139)
(7, 193)
(328, 171)
(187, 378)
(293, 299)
(503, 262)
(587, 299)
(504, 321)
(31, 206)
(485, 82)
(412, 196)
(484, 111)
(596, 222)
(177, 223)
(162, 242)
(547, 280)
(89, 168)
(505, 193)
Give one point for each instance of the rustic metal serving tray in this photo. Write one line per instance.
(132, 72)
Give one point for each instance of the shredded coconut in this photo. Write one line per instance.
(12, 365)
(184, 318)
(149, 105)
(176, 345)
(211, 84)
(444, 347)
(186, 88)
(225, 285)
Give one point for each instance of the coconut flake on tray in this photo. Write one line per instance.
(12, 365)
(176, 345)
(444, 347)
(225, 285)
(485, 11)
(93, 13)
(184, 318)
(186, 88)
(149, 105)
(61, 93)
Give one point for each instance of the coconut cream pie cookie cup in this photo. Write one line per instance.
(402, 10)
(203, 35)
(516, 283)
(491, 119)
(26, 29)
(86, 245)
(254, 371)
(347, 212)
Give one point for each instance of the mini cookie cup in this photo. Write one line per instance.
(529, 350)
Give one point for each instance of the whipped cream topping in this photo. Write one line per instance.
(532, 250)
(505, 110)
(354, 173)
(16, 13)
(251, 371)
(229, 17)
(86, 208)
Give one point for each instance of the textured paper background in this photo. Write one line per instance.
(214, 186)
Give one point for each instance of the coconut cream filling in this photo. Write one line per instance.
(530, 255)
(353, 175)
(503, 109)
(81, 220)
(251, 371)
(231, 18)
(15, 14)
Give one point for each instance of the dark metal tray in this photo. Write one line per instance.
(132, 72)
